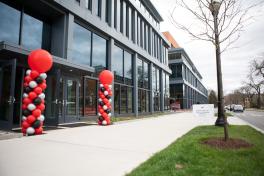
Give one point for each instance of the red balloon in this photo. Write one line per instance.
(27, 79)
(36, 112)
(106, 86)
(24, 130)
(40, 60)
(104, 115)
(32, 95)
(26, 101)
(25, 84)
(34, 74)
(38, 90)
(31, 119)
(105, 100)
(24, 106)
(110, 93)
(43, 101)
(102, 96)
(25, 125)
(39, 130)
(108, 104)
(41, 107)
(43, 86)
(106, 77)
(99, 122)
(101, 110)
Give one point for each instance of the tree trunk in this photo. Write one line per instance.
(259, 100)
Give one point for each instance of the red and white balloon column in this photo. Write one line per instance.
(105, 92)
(39, 61)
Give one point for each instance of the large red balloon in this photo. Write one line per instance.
(32, 95)
(36, 112)
(39, 130)
(40, 60)
(31, 119)
(106, 77)
(25, 125)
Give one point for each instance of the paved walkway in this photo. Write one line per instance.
(94, 150)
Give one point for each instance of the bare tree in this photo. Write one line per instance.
(258, 66)
(218, 22)
(256, 80)
(247, 93)
(233, 17)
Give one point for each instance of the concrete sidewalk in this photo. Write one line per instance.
(95, 150)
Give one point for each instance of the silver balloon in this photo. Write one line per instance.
(104, 122)
(31, 107)
(42, 96)
(30, 130)
(105, 107)
(32, 84)
(28, 72)
(43, 75)
(106, 92)
(41, 118)
(25, 95)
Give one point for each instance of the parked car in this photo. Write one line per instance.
(238, 108)
(232, 107)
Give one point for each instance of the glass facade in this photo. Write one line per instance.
(81, 49)
(9, 24)
(123, 72)
(99, 53)
(33, 30)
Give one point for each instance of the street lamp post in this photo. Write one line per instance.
(214, 8)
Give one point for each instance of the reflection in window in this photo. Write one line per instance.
(116, 98)
(9, 23)
(140, 72)
(128, 67)
(32, 32)
(99, 53)
(118, 64)
(81, 48)
(90, 97)
(123, 99)
(129, 99)
(146, 75)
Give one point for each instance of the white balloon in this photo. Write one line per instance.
(31, 107)
(101, 85)
(106, 92)
(24, 118)
(109, 114)
(25, 95)
(41, 118)
(105, 107)
(110, 86)
(42, 96)
(32, 84)
(100, 99)
(28, 72)
(99, 114)
(43, 75)
(30, 130)
(110, 100)
(104, 122)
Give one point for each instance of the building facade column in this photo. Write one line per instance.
(110, 48)
(151, 101)
(162, 91)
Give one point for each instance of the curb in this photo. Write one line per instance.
(253, 126)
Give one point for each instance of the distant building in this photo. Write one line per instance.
(186, 87)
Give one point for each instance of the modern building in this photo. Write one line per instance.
(185, 81)
(84, 37)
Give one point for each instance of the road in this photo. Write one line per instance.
(255, 118)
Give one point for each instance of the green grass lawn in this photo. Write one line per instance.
(198, 159)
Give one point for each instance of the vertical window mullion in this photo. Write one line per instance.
(21, 26)
(91, 48)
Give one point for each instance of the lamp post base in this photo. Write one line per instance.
(220, 121)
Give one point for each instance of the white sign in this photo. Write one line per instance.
(203, 110)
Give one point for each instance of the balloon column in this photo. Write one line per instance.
(105, 93)
(39, 61)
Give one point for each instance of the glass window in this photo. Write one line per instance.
(123, 105)
(115, 13)
(116, 98)
(99, 53)
(140, 72)
(90, 97)
(158, 79)
(139, 100)
(143, 100)
(129, 99)
(118, 63)
(88, 4)
(32, 32)
(127, 21)
(9, 24)
(81, 47)
(128, 68)
(99, 7)
(146, 75)
(154, 79)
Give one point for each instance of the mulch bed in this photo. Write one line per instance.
(231, 143)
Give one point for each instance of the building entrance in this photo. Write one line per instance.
(7, 99)
(69, 100)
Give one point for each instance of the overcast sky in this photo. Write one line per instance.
(234, 61)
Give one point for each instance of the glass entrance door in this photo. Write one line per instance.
(69, 101)
(7, 84)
